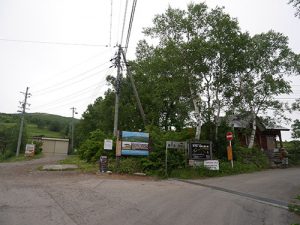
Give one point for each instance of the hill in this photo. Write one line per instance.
(39, 124)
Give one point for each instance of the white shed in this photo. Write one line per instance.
(54, 146)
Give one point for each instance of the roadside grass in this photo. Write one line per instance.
(224, 170)
(295, 208)
(21, 157)
(83, 166)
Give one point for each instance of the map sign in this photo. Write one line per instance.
(135, 143)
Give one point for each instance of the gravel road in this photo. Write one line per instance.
(32, 197)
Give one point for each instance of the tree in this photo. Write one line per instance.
(206, 44)
(269, 60)
(296, 5)
(296, 129)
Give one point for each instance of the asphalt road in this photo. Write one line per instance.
(32, 197)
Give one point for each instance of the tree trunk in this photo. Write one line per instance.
(197, 104)
(217, 116)
(252, 137)
(198, 119)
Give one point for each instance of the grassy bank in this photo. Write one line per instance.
(21, 157)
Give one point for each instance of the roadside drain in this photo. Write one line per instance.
(263, 200)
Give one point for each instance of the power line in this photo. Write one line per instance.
(71, 67)
(67, 81)
(63, 99)
(130, 24)
(53, 43)
(110, 27)
(66, 99)
(124, 20)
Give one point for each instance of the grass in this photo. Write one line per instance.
(225, 170)
(21, 157)
(295, 208)
(33, 130)
(83, 166)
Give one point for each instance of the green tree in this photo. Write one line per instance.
(296, 5)
(207, 46)
(296, 129)
(269, 60)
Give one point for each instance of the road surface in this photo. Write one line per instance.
(32, 197)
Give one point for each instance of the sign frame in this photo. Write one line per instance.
(200, 150)
(134, 143)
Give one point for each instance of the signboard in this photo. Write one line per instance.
(108, 144)
(229, 136)
(103, 164)
(229, 153)
(200, 150)
(29, 150)
(175, 145)
(135, 143)
(212, 164)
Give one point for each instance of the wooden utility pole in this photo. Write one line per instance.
(72, 133)
(117, 84)
(134, 89)
(23, 107)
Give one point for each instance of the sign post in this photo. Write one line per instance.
(229, 137)
(173, 145)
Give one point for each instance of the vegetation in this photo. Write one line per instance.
(83, 166)
(296, 5)
(36, 124)
(202, 65)
(295, 207)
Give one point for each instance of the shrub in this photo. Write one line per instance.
(251, 156)
(92, 148)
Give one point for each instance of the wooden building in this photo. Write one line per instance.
(267, 137)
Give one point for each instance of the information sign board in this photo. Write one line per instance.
(200, 150)
(211, 164)
(135, 143)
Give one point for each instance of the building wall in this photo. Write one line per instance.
(54, 146)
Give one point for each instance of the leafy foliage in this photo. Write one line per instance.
(296, 5)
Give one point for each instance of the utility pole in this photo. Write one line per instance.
(118, 81)
(23, 107)
(72, 138)
(134, 89)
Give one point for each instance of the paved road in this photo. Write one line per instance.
(32, 197)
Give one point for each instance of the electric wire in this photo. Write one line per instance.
(72, 95)
(69, 68)
(77, 92)
(124, 20)
(130, 25)
(53, 43)
(73, 99)
(110, 27)
(67, 82)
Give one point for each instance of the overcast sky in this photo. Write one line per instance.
(65, 75)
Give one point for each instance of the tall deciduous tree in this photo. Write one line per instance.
(207, 43)
(296, 5)
(269, 60)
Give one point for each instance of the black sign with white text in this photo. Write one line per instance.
(200, 150)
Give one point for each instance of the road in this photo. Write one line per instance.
(32, 197)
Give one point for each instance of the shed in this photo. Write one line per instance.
(267, 137)
(54, 146)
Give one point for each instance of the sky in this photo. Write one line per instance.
(61, 49)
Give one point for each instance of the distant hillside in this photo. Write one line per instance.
(39, 124)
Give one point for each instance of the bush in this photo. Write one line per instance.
(251, 156)
(293, 148)
(92, 148)
(38, 147)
